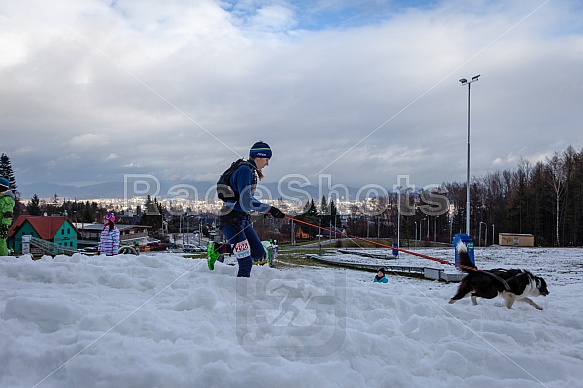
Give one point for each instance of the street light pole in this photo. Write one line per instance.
(319, 235)
(466, 82)
(415, 233)
(493, 241)
(399, 218)
(187, 229)
(428, 219)
(480, 233)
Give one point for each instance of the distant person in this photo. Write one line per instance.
(109, 239)
(6, 209)
(236, 188)
(380, 277)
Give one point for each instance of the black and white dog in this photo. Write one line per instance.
(511, 284)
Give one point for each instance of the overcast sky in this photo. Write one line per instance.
(362, 90)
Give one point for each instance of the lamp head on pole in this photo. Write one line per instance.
(466, 82)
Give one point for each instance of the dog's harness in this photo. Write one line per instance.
(504, 282)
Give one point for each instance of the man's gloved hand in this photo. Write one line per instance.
(276, 213)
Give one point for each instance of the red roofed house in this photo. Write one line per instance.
(57, 230)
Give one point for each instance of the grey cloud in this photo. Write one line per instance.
(181, 90)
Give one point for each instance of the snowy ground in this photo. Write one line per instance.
(165, 321)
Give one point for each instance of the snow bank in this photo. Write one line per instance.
(165, 321)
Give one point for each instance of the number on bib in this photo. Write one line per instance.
(242, 249)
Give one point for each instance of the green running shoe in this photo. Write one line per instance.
(213, 254)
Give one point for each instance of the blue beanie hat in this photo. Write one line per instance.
(5, 184)
(260, 150)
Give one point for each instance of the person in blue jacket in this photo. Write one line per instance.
(380, 277)
(242, 240)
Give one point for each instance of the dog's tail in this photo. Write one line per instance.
(465, 262)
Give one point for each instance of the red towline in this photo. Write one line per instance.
(388, 246)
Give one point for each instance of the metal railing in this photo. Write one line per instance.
(51, 248)
(56, 249)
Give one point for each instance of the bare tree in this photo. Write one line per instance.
(557, 180)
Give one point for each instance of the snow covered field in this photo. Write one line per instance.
(165, 321)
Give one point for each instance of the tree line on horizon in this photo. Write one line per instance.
(544, 199)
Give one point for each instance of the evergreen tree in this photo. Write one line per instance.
(334, 216)
(324, 206)
(33, 207)
(309, 214)
(88, 213)
(6, 170)
(312, 211)
(55, 200)
(151, 205)
(153, 215)
(160, 207)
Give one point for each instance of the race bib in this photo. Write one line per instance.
(242, 249)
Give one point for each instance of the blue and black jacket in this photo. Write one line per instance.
(243, 182)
